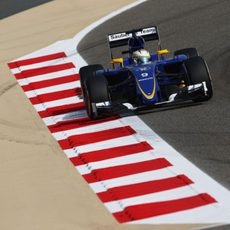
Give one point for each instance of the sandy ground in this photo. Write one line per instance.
(40, 189)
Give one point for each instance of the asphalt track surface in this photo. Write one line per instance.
(10, 7)
(199, 132)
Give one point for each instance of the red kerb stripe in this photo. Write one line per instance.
(110, 153)
(51, 82)
(142, 211)
(125, 170)
(89, 138)
(78, 123)
(55, 96)
(44, 70)
(31, 61)
(61, 109)
(144, 188)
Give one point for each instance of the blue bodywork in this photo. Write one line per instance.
(148, 77)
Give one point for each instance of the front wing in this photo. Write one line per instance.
(188, 93)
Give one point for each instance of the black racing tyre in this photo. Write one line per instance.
(198, 72)
(87, 71)
(96, 89)
(189, 52)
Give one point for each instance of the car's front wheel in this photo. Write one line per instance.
(197, 72)
(96, 91)
(86, 72)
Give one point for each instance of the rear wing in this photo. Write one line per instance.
(121, 38)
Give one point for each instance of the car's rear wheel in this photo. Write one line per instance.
(197, 72)
(189, 52)
(96, 91)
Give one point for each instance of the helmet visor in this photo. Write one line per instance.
(143, 60)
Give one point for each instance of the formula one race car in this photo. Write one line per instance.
(142, 79)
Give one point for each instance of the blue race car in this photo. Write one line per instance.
(142, 79)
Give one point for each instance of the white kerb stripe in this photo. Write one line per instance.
(132, 179)
(168, 195)
(51, 104)
(89, 129)
(38, 65)
(118, 161)
(117, 142)
(64, 117)
(53, 89)
(104, 144)
(48, 76)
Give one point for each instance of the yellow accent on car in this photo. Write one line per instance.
(160, 52)
(146, 95)
(118, 60)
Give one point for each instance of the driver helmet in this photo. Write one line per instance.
(141, 56)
